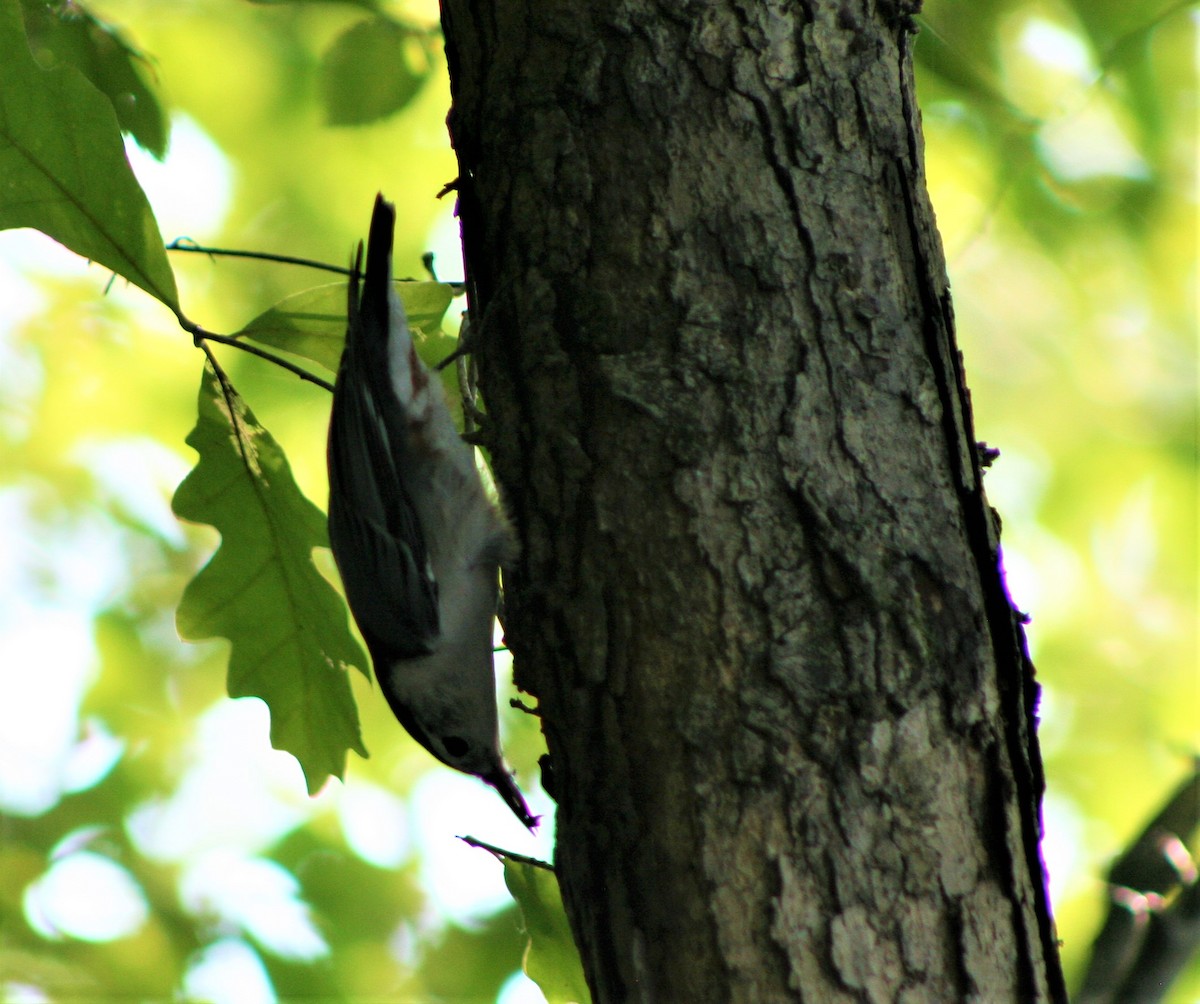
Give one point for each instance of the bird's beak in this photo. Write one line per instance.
(502, 781)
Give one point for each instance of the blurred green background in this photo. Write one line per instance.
(151, 842)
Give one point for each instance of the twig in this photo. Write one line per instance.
(501, 853)
(187, 244)
(201, 336)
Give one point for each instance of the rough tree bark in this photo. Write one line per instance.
(788, 705)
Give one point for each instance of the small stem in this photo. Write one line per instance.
(200, 336)
(500, 852)
(187, 244)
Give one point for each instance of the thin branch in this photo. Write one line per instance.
(500, 852)
(187, 244)
(200, 337)
(190, 246)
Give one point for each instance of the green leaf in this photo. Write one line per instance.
(367, 74)
(425, 303)
(291, 644)
(64, 170)
(551, 958)
(312, 323)
(69, 34)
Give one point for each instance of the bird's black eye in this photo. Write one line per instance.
(455, 745)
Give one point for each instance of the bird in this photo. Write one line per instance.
(415, 536)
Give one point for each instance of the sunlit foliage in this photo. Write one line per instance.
(1061, 151)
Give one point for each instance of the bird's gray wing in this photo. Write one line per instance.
(374, 531)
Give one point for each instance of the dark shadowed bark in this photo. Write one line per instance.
(788, 706)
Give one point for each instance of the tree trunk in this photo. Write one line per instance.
(788, 706)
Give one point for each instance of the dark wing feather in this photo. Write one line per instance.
(374, 531)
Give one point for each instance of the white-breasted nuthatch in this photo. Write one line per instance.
(414, 535)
